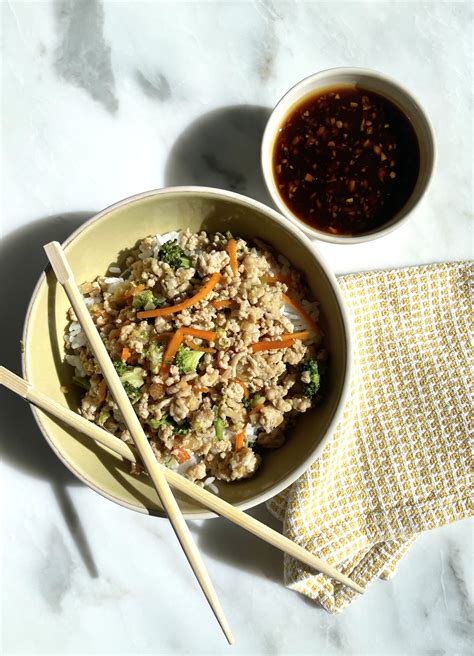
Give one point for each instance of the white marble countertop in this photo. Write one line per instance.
(104, 100)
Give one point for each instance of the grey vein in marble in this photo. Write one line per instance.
(83, 56)
(156, 86)
(268, 48)
(56, 572)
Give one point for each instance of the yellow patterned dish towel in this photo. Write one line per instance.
(400, 459)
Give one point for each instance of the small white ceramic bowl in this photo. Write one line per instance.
(372, 81)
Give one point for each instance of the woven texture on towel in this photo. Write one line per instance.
(400, 459)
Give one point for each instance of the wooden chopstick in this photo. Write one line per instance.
(65, 277)
(218, 505)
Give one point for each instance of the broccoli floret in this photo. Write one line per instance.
(309, 369)
(219, 428)
(187, 360)
(228, 235)
(133, 393)
(154, 355)
(133, 376)
(252, 400)
(172, 253)
(146, 301)
(182, 429)
(131, 379)
(104, 414)
(156, 423)
(120, 367)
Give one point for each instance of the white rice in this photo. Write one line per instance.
(75, 361)
(114, 269)
(112, 283)
(76, 336)
(209, 483)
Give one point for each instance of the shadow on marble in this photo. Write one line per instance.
(22, 444)
(228, 543)
(222, 149)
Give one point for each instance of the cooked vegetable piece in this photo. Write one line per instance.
(303, 334)
(219, 428)
(208, 335)
(304, 315)
(120, 367)
(187, 360)
(239, 438)
(182, 455)
(195, 347)
(147, 301)
(173, 346)
(125, 354)
(243, 386)
(104, 414)
(224, 303)
(253, 399)
(133, 376)
(172, 253)
(154, 355)
(232, 252)
(133, 392)
(178, 429)
(205, 290)
(270, 345)
(309, 370)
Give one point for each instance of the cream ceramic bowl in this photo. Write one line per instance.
(91, 250)
(372, 81)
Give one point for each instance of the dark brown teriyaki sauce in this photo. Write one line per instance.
(346, 160)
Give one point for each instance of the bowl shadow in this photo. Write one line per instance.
(229, 543)
(22, 445)
(222, 149)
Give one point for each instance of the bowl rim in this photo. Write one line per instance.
(265, 159)
(299, 234)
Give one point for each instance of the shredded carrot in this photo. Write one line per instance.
(239, 438)
(224, 303)
(125, 354)
(205, 290)
(208, 335)
(134, 290)
(303, 334)
(268, 346)
(182, 455)
(281, 277)
(304, 315)
(243, 386)
(195, 347)
(202, 390)
(102, 391)
(170, 352)
(232, 252)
